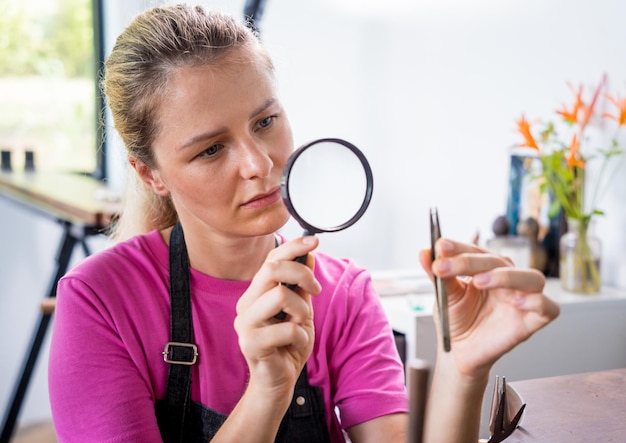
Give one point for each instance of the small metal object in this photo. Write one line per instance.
(501, 423)
(169, 348)
(440, 290)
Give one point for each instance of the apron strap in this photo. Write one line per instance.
(305, 418)
(180, 353)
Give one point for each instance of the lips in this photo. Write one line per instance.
(263, 200)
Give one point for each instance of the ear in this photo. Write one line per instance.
(149, 176)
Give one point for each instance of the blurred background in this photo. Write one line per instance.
(428, 89)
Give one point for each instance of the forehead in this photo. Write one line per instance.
(215, 93)
(235, 67)
(233, 60)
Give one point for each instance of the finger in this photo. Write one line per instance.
(261, 312)
(526, 287)
(283, 259)
(525, 280)
(297, 306)
(265, 340)
(452, 285)
(310, 262)
(280, 267)
(294, 274)
(425, 261)
(546, 308)
(294, 248)
(538, 310)
(468, 263)
(446, 247)
(460, 259)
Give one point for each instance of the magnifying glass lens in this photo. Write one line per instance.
(328, 185)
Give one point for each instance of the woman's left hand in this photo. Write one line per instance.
(493, 306)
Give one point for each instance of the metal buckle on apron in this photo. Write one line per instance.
(192, 351)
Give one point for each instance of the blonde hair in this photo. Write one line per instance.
(155, 44)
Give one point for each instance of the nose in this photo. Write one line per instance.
(255, 161)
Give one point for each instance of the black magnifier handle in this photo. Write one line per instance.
(282, 315)
(301, 259)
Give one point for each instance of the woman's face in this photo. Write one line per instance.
(222, 143)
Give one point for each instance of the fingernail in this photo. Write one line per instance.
(482, 279)
(446, 246)
(444, 265)
(308, 239)
(318, 287)
(519, 300)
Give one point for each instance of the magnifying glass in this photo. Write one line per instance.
(326, 185)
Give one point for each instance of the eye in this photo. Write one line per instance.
(211, 151)
(266, 122)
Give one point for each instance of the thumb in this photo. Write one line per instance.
(452, 284)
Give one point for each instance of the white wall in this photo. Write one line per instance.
(428, 89)
(431, 96)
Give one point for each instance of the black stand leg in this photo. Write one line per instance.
(65, 252)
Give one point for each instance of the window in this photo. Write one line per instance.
(49, 100)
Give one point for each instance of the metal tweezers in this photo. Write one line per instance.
(502, 426)
(442, 295)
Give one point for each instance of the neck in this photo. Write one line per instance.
(227, 258)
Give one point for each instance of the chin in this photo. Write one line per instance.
(271, 223)
(281, 221)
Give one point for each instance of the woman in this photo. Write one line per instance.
(193, 96)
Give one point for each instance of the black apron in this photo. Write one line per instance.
(182, 420)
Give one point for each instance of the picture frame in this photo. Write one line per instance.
(525, 200)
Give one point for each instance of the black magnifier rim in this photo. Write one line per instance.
(285, 191)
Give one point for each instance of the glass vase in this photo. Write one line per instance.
(580, 253)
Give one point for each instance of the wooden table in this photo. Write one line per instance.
(83, 206)
(79, 199)
(588, 407)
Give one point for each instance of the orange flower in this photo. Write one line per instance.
(563, 164)
(572, 116)
(588, 110)
(620, 104)
(523, 127)
(573, 158)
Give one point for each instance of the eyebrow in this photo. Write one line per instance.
(200, 137)
(207, 135)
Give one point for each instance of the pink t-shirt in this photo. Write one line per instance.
(106, 366)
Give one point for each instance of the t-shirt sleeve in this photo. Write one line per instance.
(97, 393)
(366, 371)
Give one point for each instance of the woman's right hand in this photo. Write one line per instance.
(276, 350)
